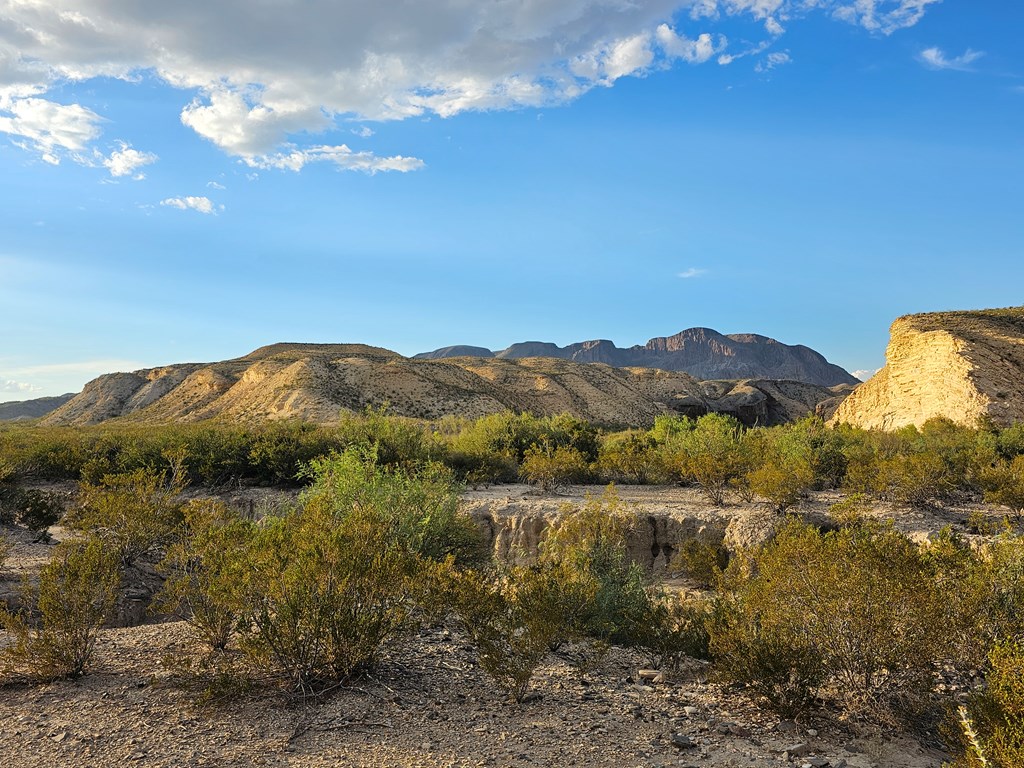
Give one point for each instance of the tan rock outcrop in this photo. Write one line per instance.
(960, 365)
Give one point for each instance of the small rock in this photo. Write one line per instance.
(648, 674)
(738, 730)
(682, 741)
(60, 736)
(812, 732)
(691, 711)
(796, 750)
(786, 726)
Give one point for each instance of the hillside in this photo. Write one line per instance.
(316, 382)
(32, 409)
(961, 365)
(701, 352)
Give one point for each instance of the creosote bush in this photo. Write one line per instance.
(132, 512)
(77, 591)
(857, 608)
(324, 586)
(513, 617)
(204, 569)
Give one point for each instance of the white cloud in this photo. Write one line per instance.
(885, 16)
(51, 129)
(936, 59)
(686, 274)
(200, 204)
(863, 374)
(127, 161)
(215, 185)
(343, 157)
(691, 51)
(19, 387)
(263, 78)
(363, 132)
(773, 60)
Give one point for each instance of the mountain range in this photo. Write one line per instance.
(701, 352)
(316, 382)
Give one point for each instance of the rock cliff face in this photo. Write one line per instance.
(317, 382)
(960, 365)
(700, 352)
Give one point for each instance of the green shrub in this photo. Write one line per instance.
(419, 506)
(38, 510)
(77, 590)
(553, 467)
(513, 618)
(630, 457)
(1003, 483)
(675, 627)
(324, 592)
(775, 661)
(589, 543)
(700, 560)
(861, 602)
(327, 584)
(711, 455)
(131, 512)
(204, 570)
(992, 725)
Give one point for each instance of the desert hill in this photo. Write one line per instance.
(701, 352)
(315, 382)
(961, 365)
(31, 409)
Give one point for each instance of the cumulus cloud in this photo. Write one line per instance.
(19, 387)
(936, 59)
(692, 272)
(695, 51)
(127, 161)
(51, 129)
(200, 204)
(864, 374)
(262, 79)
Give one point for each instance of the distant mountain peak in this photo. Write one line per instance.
(704, 353)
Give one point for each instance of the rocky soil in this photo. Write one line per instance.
(427, 703)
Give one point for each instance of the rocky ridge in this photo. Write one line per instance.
(964, 366)
(32, 409)
(315, 382)
(701, 352)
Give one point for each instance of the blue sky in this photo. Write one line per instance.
(189, 181)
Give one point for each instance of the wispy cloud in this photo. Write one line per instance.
(215, 185)
(200, 204)
(86, 367)
(772, 60)
(686, 274)
(934, 58)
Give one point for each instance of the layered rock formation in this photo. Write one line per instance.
(700, 352)
(316, 382)
(960, 365)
